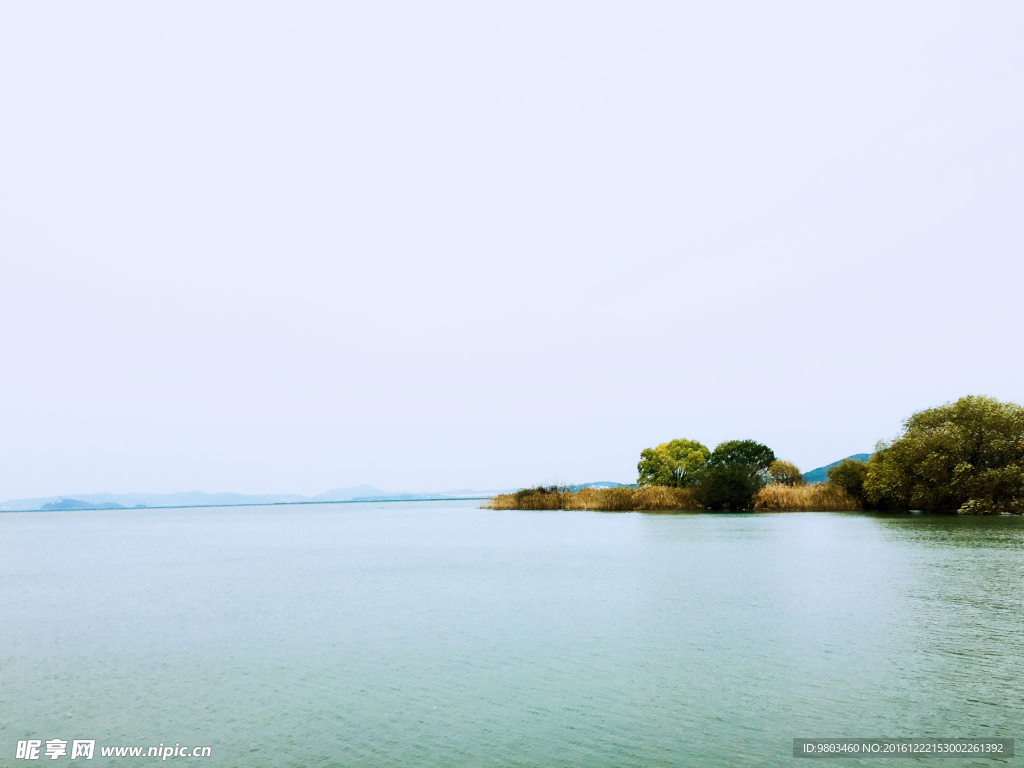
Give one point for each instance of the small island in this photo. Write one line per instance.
(962, 458)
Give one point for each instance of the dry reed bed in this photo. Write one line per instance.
(648, 498)
(823, 498)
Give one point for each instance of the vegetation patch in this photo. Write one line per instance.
(651, 498)
(965, 457)
(821, 497)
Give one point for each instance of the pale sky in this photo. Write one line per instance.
(283, 248)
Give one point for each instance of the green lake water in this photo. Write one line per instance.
(438, 634)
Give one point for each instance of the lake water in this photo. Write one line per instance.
(438, 634)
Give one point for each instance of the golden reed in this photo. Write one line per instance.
(650, 498)
(822, 497)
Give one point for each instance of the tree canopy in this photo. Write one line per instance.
(743, 453)
(674, 464)
(965, 457)
(785, 473)
(734, 472)
(849, 475)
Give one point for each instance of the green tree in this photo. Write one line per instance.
(784, 473)
(849, 475)
(675, 463)
(734, 472)
(965, 457)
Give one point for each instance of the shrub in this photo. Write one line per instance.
(849, 475)
(784, 473)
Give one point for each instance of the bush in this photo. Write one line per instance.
(965, 457)
(785, 473)
(849, 475)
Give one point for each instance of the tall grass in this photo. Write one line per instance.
(652, 498)
(648, 498)
(825, 497)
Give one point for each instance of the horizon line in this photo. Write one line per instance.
(245, 504)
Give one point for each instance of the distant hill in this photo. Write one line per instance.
(819, 475)
(183, 499)
(76, 504)
(201, 499)
(349, 494)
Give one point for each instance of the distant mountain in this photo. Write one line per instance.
(76, 504)
(184, 499)
(200, 499)
(349, 494)
(819, 475)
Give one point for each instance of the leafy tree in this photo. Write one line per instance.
(784, 473)
(734, 472)
(675, 463)
(849, 475)
(965, 457)
(743, 453)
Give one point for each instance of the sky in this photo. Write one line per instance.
(289, 247)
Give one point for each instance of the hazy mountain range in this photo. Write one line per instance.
(200, 499)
